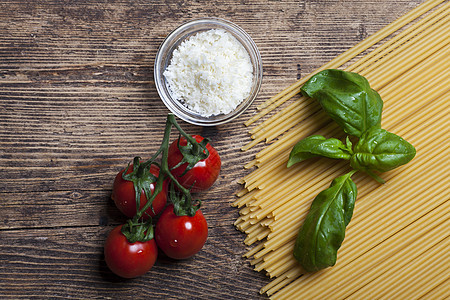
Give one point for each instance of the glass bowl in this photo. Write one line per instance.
(164, 55)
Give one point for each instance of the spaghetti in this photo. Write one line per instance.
(399, 230)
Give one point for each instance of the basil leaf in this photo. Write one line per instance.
(323, 231)
(381, 150)
(347, 98)
(317, 145)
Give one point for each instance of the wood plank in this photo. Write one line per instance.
(68, 263)
(23, 211)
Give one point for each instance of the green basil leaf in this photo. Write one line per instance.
(323, 230)
(317, 145)
(381, 150)
(347, 98)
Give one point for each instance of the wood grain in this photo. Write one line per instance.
(78, 102)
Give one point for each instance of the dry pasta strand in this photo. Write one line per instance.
(399, 230)
(354, 51)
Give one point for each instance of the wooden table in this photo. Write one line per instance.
(78, 102)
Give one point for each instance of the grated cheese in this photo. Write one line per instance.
(210, 73)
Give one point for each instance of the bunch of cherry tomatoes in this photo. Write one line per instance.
(163, 190)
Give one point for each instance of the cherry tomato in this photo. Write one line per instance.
(180, 237)
(124, 195)
(203, 175)
(129, 260)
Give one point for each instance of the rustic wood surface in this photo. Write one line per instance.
(78, 102)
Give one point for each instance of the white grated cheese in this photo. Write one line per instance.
(211, 73)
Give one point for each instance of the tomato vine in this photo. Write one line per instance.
(149, 179)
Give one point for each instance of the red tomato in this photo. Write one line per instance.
(124, 195)
(129, 260)
(203, 175)
(180, 237)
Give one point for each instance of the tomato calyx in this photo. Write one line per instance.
(136, 230)
(142, 180)
(192, 153)
(183, 205)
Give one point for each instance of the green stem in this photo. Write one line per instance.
(164, 168)
(376, 177)
(165, 149)
(351, 173)
(195, 146)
